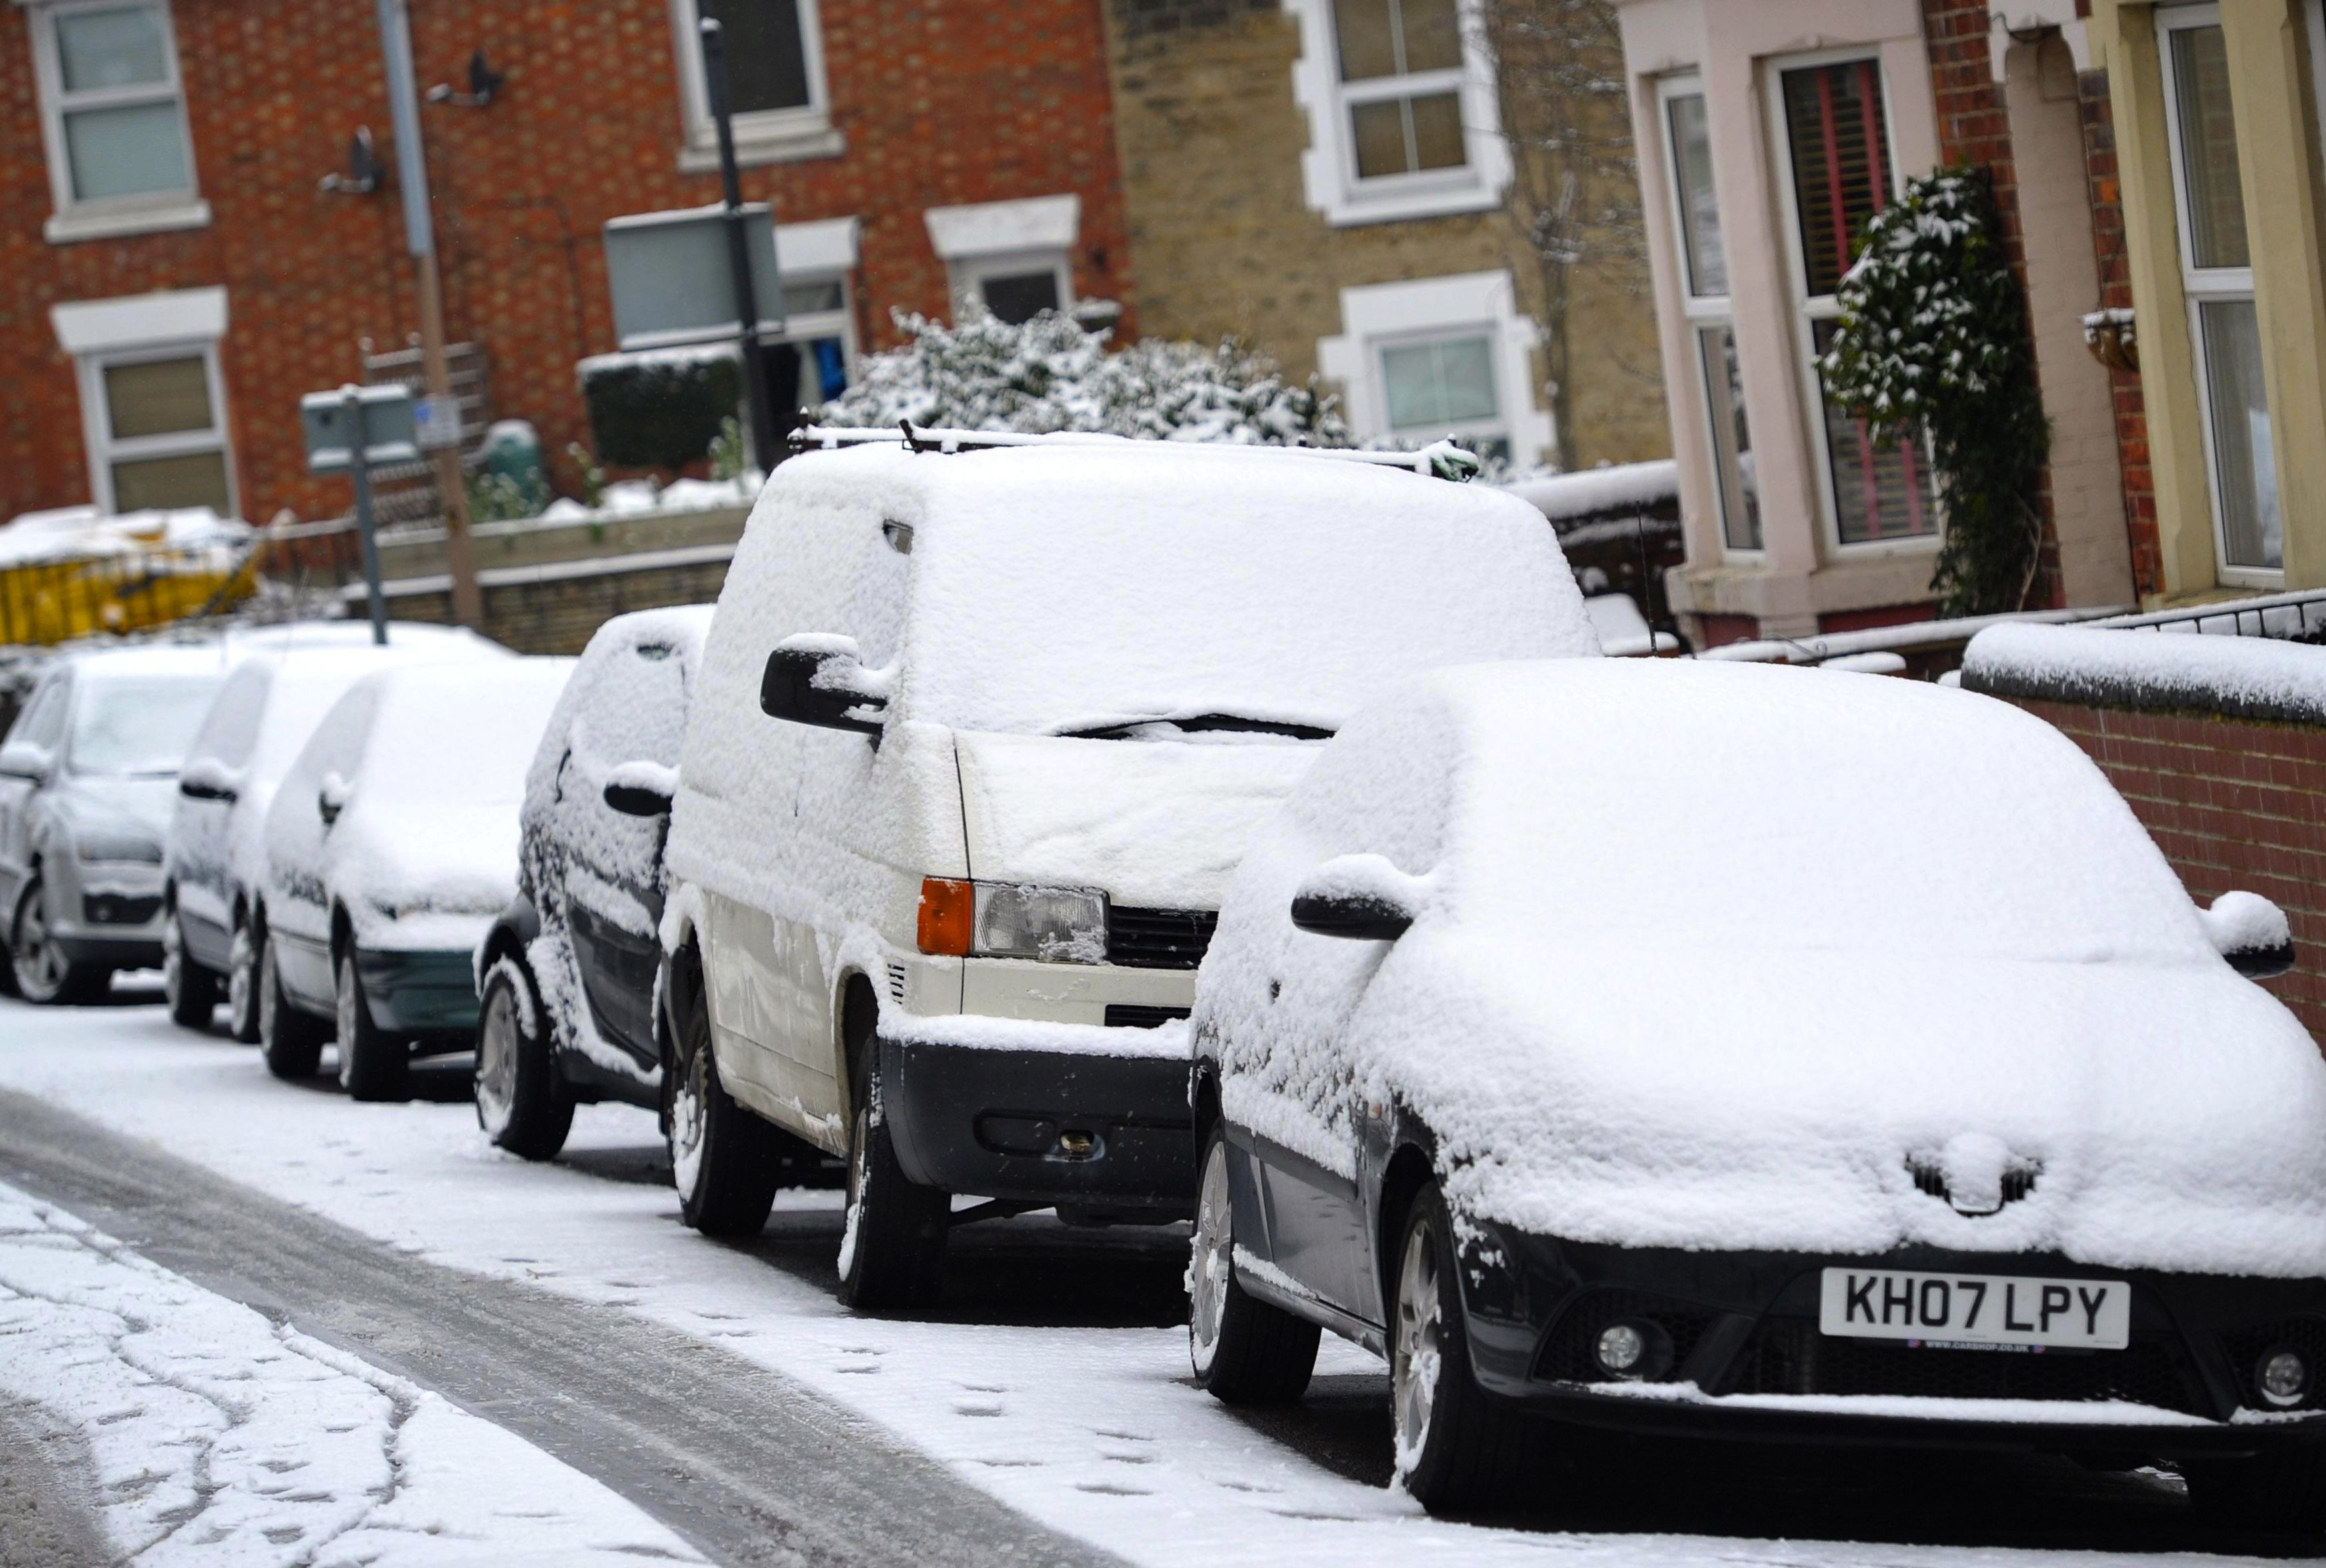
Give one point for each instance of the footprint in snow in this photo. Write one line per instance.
(862, 1371)
(1127, 1457)
(984, 1389)
(1109, 1489)
(1009, 1463)
(1238, 1486)
(977, 1410)
(1124, 1436)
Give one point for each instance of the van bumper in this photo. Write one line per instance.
(1003, 1123)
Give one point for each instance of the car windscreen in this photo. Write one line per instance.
(139, 726)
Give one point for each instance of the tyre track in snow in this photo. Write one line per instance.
(746, 1464)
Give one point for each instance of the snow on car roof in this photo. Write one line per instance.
(142, 662)
(463, 730)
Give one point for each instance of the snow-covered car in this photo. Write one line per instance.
(1736, 1051)
(215, 856)
(566, 977)
(978, 738)
(87, 775)
(391, 845)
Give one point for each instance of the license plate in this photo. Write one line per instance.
(1977, 1309)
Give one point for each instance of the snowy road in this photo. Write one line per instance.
(1044, 1416)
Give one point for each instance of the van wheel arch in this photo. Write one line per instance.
(1408, 1173)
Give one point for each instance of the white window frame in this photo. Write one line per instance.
(1329, 169)
(766, 135)
(1702, 313)
(108, 218)
(139, 328)
(1810, 311)
(991, 239)
(1380, 317)
(2201, 286)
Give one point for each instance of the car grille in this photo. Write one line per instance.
(120, 908)
(1790, 1356)
(1159, 939)
(1567, 1354)
(1132, 1015)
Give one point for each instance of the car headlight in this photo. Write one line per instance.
(117, 846)
(1053, 924)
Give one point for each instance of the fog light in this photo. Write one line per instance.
(1621, 1349)
(2284, 1377)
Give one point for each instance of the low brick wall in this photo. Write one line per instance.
(554, 610)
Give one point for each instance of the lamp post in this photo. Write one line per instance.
(768, 422)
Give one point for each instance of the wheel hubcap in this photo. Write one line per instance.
(40, 962)
(345, 1010)
(687, 1121)
(860, 1137)
(239, 996)
(1211, 1261)
(173, 963)
(497, 1048)
(1420, 1344)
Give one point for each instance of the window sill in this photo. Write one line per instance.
(1350, 209)
(71, 226)
(790, 147)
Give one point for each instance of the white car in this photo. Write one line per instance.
(391, 845)
(214, 923)
(1746, 1051)
(978, 738)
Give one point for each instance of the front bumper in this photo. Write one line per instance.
(424, 992)
(999, 1122)
(106, 912)
(1748, 1360)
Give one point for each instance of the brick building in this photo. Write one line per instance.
(175, 277)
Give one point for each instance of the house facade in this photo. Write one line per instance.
(189, 247)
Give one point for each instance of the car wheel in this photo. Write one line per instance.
(1245, 1351)
(522, 1099)
(242, 991)
(2277, 1491)
(893, 1231)
(191, 990)
(1456, 1450)
(43, 973)
(722, 1158)
(373, 1064)
(293, 1041)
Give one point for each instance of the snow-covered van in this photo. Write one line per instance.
(980, 737)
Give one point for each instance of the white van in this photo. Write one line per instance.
(981, 733)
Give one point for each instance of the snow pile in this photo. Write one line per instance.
(633, 497)
(1725, 1005)
(82, 532)
(219, 1437)
(1593, 492)
(2251, 677)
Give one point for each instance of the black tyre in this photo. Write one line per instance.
(42, 972)
(1245, 1351)
(1457, 1449)
(374, 1064)
(523, 1101)
(723, 1159)
(2277, 1491)
(892, 1241)
(242, 992)
(191, 990)
(293, 1041)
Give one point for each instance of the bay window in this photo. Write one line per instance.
(1704, 300)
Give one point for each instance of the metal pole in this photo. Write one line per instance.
(420, 240)
(758, 400)
(359, 467)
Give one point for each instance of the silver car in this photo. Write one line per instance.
(89, 774)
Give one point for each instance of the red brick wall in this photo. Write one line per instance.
(2116, 294)
(2233, 804)
(940, 101)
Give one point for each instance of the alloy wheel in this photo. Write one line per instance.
(1415, 1368)
(1211, 1261)
(241, 985)
(40, 962)
(689, 1119)
(174, 963)
(497, 1044)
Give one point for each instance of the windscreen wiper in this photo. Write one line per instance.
(1197, 723)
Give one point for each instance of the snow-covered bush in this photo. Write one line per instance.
(660, 409)
(1933, 343)
(1053, 373)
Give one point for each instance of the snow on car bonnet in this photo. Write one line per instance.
(1715, 956)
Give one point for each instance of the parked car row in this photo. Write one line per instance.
(1150, 833)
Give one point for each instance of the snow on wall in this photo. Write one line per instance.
(1587, 492)
(2249, 677)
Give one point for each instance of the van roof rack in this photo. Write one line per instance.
(1439, 459)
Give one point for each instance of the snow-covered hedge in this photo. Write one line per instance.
(660, 409)
(2247, 677)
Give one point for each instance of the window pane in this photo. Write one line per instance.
(767, 59)
(1379, 131)
(1841, 160)
(1879, 492)
(111, 49)
(2208, 148)
(1699, 206)
(808, 299)
(1732, 442)
(125, 151)
(194, 479)
(162, 397)
(1366, 33)
(2253, 532)
(1432, 34)
(1439, 384)
(1438, 132)
(1018, 297)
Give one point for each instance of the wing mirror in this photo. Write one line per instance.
(205, 780)
(24, 761)
(640, 789)
(2252, 933)
(331, 798)
(1361, 897)
(816, 679)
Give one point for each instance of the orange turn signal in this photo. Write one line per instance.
(948, 913)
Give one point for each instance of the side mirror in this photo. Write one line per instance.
(1361, 897)
(196, 789)
(640, 789)
(331, 798)
(24, 761)
(2252, 933)
(205, 780)
(812, 679)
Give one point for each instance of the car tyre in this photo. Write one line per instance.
(523, 1101)
(722, 1158)
(2276, 1491)
(191, 990)
(1245, 1351)
(374, 1064)
(893, 1229)
(43, 973)
(1457, 1449)
(242, 991)
(293, 1041)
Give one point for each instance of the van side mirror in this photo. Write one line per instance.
(26, 761)
(1361, 897)
(640, 789)
(811, 679)
(331, 797)
(2252, 933)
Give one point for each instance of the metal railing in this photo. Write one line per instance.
(2299, 617)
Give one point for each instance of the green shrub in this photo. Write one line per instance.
(661, 409)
